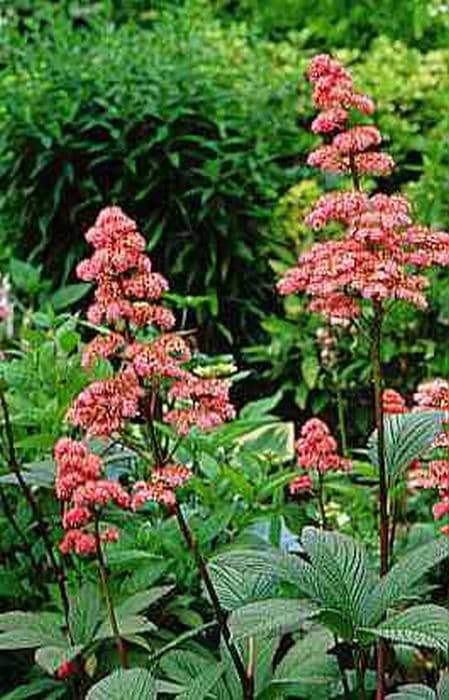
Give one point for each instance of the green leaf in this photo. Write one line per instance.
(25, 276)
(407, 437)
(443, 687)
(200, 687)
(85, 614)
(26, 630)
(400, 582)
(414, 691)
(310, 369)
(30, 690)
(261, 407)
(66, 296)
(235, 588)
(132, 684)
(275, 441)
(128, 625)
(422, 625)
(309, 667)
(270, 617)
(336, 574)
(142, 600)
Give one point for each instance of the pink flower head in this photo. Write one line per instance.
(432, 395)
(203, 403)
(300, 484)
(316, 449)
(161, 488)
(80, 486)
(102, 408)
(441, 509)
(393, 402)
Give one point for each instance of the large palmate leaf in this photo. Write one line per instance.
(26, 630)
(307, 669)
(132, 684)
(271, 617)
(400, 582)
(407, 437)
(336, 575)
(421, 625)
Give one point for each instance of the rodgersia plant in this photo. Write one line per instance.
(151, 382)
(381, 254)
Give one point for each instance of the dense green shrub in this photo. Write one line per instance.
(187, 125)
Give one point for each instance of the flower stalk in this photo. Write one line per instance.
(104, 580)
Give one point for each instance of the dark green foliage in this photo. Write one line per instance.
(187, 126)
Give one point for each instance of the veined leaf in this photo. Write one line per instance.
(308, 667)
(443, 687)
(400, 582)
(236, 587)
(407, 437)
(128, 625)
(132, 684)
(200, 687)
(25, 630)
(414, 691)
(134, 604)
(421, 625)
(86, 614)
(271, 617)
(336, 575)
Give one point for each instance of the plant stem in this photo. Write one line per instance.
(341, 418)
(42, 525)
(246, 680)
(344, 680)
(383, 485)
(360, 669)
(122, 651)
(321, 505)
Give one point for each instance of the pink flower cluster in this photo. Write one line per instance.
(316, 451)
(393, 402)
(201, 402)
(161, 488)
(382, 250)
(126, 285)
(125, 281)
(83, 491)
(150, 379)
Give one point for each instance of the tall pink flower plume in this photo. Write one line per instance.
(143, 373)
(381, 252)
